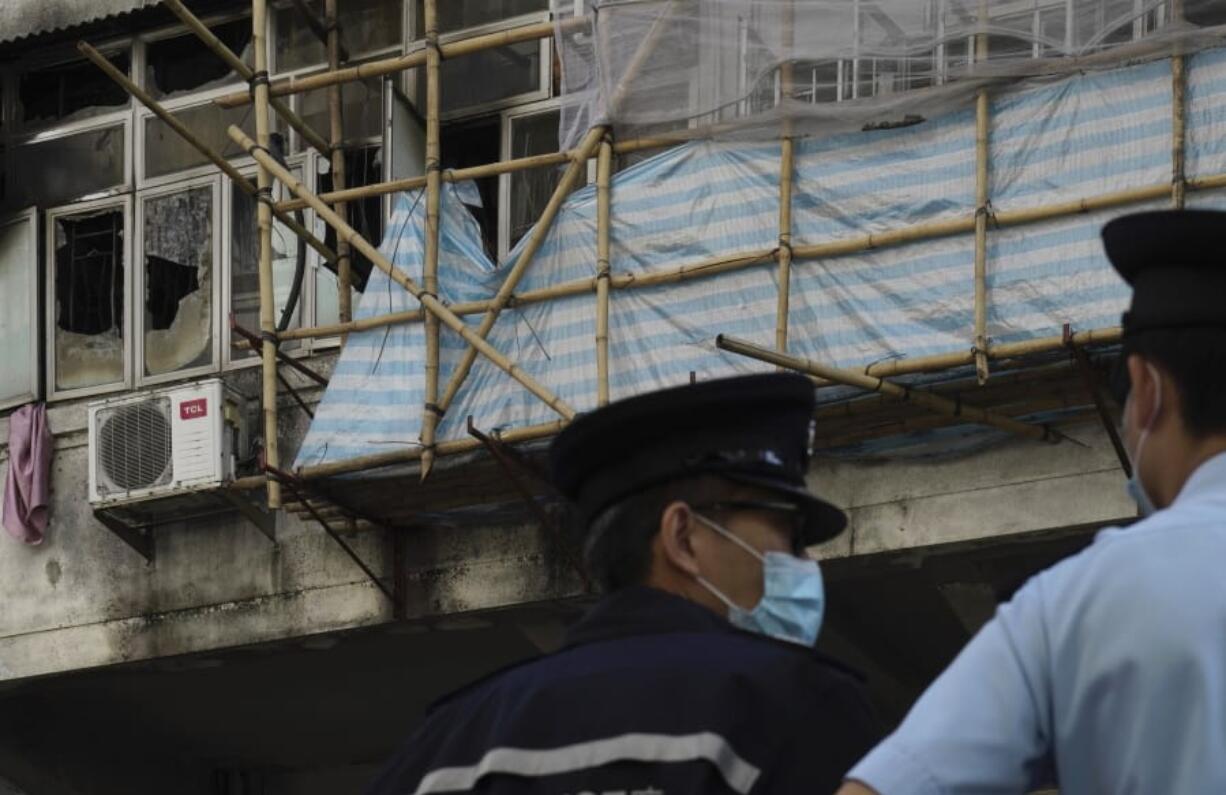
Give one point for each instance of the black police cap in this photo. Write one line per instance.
(753, 430)
(1175, 261)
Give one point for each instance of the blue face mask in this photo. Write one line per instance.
(793, 597)
(1136, 489)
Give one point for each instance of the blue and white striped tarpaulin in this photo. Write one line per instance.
(1080, 137)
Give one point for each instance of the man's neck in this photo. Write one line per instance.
(1198, 452)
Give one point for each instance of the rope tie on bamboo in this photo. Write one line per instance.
(260, 78)
(264, 195)
(988, 210)
(432, 44)
(437, 411)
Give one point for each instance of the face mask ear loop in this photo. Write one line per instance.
(728, 534)
(1153, 417)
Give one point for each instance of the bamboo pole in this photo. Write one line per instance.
(200, 146)
(432, 411)
(475, 172)
(1179, 117)
(604, 167)
(525, 258)
(448, 447)
(786, 170)
(218, 47)
(268, 328)
(928, 400)
(399, 63)
(336, 124)
(982, 126)
(429, 302)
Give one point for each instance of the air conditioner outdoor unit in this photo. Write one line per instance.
(163, 454)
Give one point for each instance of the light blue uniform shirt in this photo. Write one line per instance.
(1108, 669)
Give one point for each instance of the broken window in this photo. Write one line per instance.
(89, 297)
(498, 76)
(457, 16)
(183, 63)
(476, 143)
(363, 166)
(19, 308)
(529, 191)
(287, 249)
(59, 170)
(179, 273)
(366, 26)
(166, 152)
(71, 91)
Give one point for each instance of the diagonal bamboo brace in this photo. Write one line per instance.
(578, 165)
(928, 400)
(429, 303)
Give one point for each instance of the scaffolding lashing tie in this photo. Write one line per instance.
(260, 78)
(988, 210)
(436, 410)
(264, 195)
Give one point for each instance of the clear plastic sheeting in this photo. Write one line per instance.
(739, 68)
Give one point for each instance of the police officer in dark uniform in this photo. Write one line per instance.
(696, 672)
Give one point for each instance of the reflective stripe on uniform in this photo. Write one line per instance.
(704, 746)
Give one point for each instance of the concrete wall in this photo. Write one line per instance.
(84, 599)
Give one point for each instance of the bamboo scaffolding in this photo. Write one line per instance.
(982, 208)
(218, 47)
(399, 63)
(526, 256)
(477, 172)
(200, 146)
(432, 410)
(604, 168)
(336, 124)
(429, 302)
(928, 400)
(268, 328)
(830, 249)
(1179, 117)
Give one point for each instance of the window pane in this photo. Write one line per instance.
(363, 166)
(476, 143)
(244, 268)
(166, 152)
(457, 15)
(362, 110)
(178, 322)
(183, 63)
(366, 26)
(89, 298)
(60, 170)
(18, 319)
(71, 91)
(531, 190)
(485, 77)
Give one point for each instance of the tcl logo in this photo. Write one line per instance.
(194, 409)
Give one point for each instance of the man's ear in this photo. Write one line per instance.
(676, 537)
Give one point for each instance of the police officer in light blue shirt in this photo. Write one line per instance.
(1107, 672)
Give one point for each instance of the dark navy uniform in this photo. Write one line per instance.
(654, 695)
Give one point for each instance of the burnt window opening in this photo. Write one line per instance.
(89, 273)
(363, 166)
(184, 63)
(71, 90)
(178, 261)
(474, 144)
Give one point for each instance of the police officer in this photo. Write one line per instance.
(696, 672)
(1109, 669)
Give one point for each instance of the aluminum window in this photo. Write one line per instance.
(178, 280)
(19, 378)
(88, 323)
(524, 194)
(367, 26)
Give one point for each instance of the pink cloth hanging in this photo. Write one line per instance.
(27, 485)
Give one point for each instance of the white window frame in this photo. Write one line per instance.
(306, 299)
(29, 217)
(137, 302)
(78, 208)
(504, 180)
